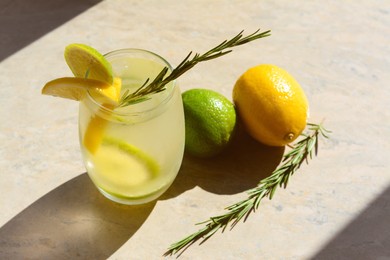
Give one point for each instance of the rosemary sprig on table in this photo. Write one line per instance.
(158, 84)
(300, 152)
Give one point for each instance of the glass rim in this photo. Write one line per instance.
(135, 113)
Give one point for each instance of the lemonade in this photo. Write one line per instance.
(133, 153)
(131, 120)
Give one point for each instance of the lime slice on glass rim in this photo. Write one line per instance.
(86, 62)
(93, 75)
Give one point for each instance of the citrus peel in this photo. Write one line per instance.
(272, 104)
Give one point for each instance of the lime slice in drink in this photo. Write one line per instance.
(76, 89)
(123, 168)
(86, 62)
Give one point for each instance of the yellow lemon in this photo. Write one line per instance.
(272, 105)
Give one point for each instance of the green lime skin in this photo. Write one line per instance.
(210, 121)
(86, 62)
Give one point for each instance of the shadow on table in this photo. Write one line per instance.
(238, 169)
(72, 221)
(76, 221)
(366, 237)
(24, 21)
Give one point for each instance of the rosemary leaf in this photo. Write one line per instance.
(301, 151)
(158, 84)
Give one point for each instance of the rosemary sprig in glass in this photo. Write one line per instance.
(300, 152)
(158, 84)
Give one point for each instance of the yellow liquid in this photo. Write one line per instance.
(136, 157)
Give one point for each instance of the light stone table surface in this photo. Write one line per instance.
(337, 207)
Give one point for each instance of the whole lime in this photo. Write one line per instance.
(210, 120)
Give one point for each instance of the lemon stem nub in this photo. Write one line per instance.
(289, 136)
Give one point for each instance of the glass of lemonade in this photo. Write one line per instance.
(133, 153)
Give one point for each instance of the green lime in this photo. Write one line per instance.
(86, 62)
(210, 120)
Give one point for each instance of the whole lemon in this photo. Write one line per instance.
(210, 120)
(272, 105)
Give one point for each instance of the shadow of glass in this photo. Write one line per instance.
(72, 221)
(366, 237)
(23, 21)
(243, 164)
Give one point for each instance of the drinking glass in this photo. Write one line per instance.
(133, 153)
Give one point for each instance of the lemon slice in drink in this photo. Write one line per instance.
(86, 62)
(76, 88)
(93, 75)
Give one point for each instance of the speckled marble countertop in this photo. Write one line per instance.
(337, 207)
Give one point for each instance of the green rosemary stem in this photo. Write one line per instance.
(300, 152)
(158, 84)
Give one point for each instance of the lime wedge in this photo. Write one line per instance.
(86, 62)
(76, 89)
